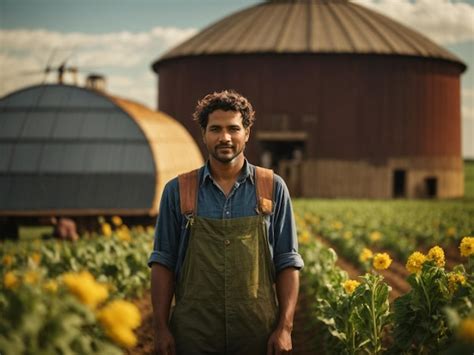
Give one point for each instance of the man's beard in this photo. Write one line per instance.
(226, 159)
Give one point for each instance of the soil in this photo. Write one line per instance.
(395, 275)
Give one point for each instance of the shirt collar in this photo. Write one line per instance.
(248, 171)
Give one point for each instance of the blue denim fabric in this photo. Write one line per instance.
(171, 233)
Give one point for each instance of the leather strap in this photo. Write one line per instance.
(188, 186)
(264, 184)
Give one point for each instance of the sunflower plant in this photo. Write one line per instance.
(37, 320)
(421, 323)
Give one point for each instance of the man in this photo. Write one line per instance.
(225, 236)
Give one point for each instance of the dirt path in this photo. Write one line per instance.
(395, 276)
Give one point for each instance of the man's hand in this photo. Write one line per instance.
(164, 342)
(279, 342)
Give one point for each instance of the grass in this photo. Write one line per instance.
(34, 232)
(469, 179)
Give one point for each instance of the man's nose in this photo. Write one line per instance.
(225, 136)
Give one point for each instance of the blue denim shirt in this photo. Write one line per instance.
(171, 233)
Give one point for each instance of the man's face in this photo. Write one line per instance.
(225, 135)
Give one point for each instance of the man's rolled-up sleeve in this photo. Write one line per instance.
(167, 231)
(285, 246)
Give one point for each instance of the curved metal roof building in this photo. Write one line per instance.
(349, 103)
(66, 150)
(308, 26)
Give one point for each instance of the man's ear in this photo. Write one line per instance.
(203, 134)
(247, 134)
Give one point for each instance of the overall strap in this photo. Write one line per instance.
(264, 185)
(188, 186)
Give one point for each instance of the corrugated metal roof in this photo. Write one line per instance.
(64, 147)
(308, 26)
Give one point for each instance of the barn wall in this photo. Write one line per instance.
(361, 179)
(354, 108)
(358, 106)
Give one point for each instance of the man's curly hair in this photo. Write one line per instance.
(227, 100)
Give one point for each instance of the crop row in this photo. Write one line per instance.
(356, 316)
(397, 226)
(72, 297)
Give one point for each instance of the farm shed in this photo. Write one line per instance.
(349, 103)
(67, 150)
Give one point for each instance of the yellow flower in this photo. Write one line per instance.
(467, 246)
(36, 258)
(437, 255)
(375, 236)
(8, 260)
(350, 285)
(415, 262)
(455, 278)
(106, 229)
(451, 232)
(337, 225)
(85, 288)
(304, 237)
(381, 261)
(139, 229)
(51, 286)
(123, 233)
(116, 221)
(119, 318)
(347, 235)
(466, 330)
(31, 277)
(365, 255)
(150, 230)
(10, 280)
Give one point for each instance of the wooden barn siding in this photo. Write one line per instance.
(366, 106)
(360, 179)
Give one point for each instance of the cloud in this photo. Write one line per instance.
(443, 21)
(124, 57)
(467, 100)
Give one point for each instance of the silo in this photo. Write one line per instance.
(71, 151)
(349, 103)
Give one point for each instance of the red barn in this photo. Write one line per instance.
(349, 103)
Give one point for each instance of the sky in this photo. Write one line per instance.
(121, 39)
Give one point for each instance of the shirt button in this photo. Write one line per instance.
(227, 242)
(227, 213)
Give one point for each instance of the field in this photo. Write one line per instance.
(380, 277)
(469, 179)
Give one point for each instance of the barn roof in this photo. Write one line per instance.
(71, 150)
(308, 26)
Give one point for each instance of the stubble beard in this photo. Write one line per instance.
(226, 159)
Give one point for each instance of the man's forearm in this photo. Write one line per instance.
(162, 290)
(287, 287)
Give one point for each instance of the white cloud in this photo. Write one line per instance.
(467, 138)
(444, 21)
(467, 101)
(124, 57)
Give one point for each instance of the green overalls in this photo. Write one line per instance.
(225, 299)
